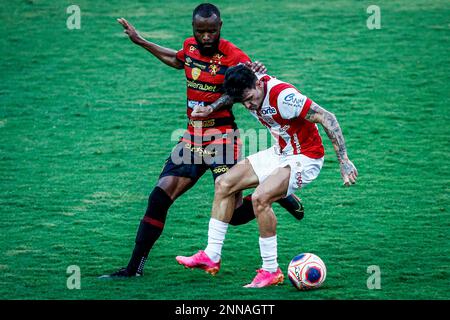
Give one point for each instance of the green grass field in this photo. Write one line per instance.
(86, 119)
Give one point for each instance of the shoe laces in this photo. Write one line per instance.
(260, 274)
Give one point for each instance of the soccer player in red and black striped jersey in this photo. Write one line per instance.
(209, 142)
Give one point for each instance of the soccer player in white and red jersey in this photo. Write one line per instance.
(205, 57)
(292, 163)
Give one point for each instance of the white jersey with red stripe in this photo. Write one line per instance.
(283, 112)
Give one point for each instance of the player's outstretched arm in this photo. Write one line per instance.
(166, 55)
(328, 120)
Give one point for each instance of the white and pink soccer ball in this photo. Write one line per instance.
(307, 271)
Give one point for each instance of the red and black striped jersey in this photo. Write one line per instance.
(204, 80)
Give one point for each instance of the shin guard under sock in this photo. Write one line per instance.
(150, 228)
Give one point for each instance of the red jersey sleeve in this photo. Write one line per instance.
(241, 57)
(289, 101)
(237, 55)
(180, 53)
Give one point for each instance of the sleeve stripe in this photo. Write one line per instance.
(306, 108)
(275, 92)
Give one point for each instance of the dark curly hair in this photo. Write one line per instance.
(237, 80)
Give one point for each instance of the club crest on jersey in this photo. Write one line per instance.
(213, 69)
(196, 73)
(268, 111)
(192, 49)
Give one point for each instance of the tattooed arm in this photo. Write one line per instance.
(224, 100)
(317, 114)
(201, 112)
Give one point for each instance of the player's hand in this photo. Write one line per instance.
(348, 172)
(129, 30)
(256, 67)
(201, 112)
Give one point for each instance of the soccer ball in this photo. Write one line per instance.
(307, 271)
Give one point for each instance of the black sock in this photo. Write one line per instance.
(293, 205)
(146, 236)
(150, 229)
(244, 213)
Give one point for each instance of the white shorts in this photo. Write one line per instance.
(303, 169)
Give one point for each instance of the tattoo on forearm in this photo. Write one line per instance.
(224, 100)
(331, 127)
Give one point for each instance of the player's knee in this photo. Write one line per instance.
(222, 186)
(169, 185)
(159, 203)
(260, 200)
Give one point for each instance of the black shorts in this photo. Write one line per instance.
(192, 162)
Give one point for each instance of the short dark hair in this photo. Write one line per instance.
(206, 10)
(237, 80)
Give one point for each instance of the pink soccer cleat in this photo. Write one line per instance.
(200, 260)
(265, 278)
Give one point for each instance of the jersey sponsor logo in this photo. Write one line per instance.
(220, 169)
(272, 123)
(201, 151)
(201, 86)
(198, 65)
(294, 101)
(193, 104)
(298, 178)
(196, 73)
(190, 62)
(202, 123)
(268, 111)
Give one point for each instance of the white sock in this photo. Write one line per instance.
(216, 235)
(268, 248)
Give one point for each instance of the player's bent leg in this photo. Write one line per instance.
(151, 226)
(271, 189)
(238, 178)
(168, 189)
(293, 205)
(175, 186)
(243, 213)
